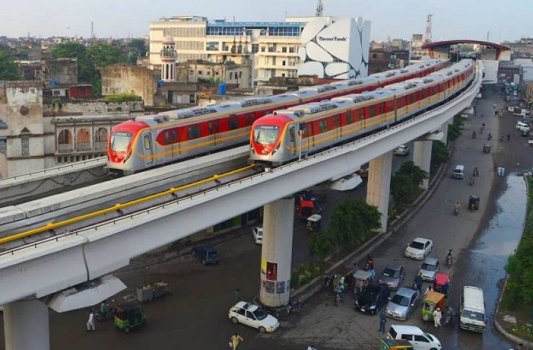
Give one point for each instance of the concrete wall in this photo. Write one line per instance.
(63, 70)
(117, 79)
(94, 107)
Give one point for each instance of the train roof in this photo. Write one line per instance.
(354, 98)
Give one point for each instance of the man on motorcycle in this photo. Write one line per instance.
(449, 257)
(456, 207)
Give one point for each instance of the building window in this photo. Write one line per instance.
(263, 49)
(284, 49)
(283, 62)
(100, 135)
(64, 138)
(292, 49)
(231, 76)
(25, 140)
(255, 48)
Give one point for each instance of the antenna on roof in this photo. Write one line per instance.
(319, 9)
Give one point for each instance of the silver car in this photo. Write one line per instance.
(429, 268)
(392, 276)
(402, 304)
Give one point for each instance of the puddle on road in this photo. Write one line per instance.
(484, 264)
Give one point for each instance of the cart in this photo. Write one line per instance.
(313, 222)
(486, 148)
(152, 291)
(441, 283)
(432, 300)
(395, 344)
(362, 279)
(473, 202)
(128, 316)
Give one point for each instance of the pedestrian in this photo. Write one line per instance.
(370, 261)
(508, 137)
(429, 289)
(437, 316)
(418, 282)
(90, 322)
(235, 340)
(382, 321)
(237, 294)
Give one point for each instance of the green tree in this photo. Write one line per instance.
(405, 185)
(352, 223)
(137, 48)
(69, 49)
(439, 155)
(8, 67)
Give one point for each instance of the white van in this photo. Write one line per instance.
(414, 335)
(459, 171)
(472, 313)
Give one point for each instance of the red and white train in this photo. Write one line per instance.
(285, 135)
(153, 140)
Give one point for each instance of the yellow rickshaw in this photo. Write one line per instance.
(432, 300)
(395, 344)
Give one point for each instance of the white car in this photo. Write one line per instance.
(257, 232)
(522, 126)
(419, 248)
(254, 316)
(401, 150)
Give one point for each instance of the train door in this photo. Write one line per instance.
(214, 128)
(148, 149)
(294, 144)
(337, 126)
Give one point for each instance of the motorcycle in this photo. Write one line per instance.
(449, 260)
(455, 210)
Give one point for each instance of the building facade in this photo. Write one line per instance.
(271, 48)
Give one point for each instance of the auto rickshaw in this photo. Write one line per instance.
(128, 316)
(395, 344)
(432, 300)
(313, 222)
(441, 283)
(362, 279)
(473, 202)
(486, 148)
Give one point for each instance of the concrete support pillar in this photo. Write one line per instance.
(422, 157)
(26, 325)
(444, 129)
(276, 252)
(378, 189)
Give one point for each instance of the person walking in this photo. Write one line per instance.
(235, 340)
(382, 321)
(437, 316)
(90, 322)
(418, 282)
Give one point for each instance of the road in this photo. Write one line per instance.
(195, 315)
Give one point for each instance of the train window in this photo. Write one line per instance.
(336, 121)
(349, 118)
(249, 119)
(210, 128)
(292, 137)
(147, 142)
(167, 137)
(233, 123)
(308, 129)
(323, 126)
(194, 132)
(174, 136)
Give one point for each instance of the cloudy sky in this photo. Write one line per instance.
(453, 19)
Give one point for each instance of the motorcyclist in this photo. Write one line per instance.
(476, 171)
(449, 257)
(456, 207)
(489, 137)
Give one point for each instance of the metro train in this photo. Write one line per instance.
(288, 134)
(154, 140)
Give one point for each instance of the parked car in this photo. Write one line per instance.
(372, 299)
(257, 232)
(392, 276)
(419, 248)
(402, 304)
(414, 335)
(522, 126)
(254, 316)
(429, 268)
(401, 150)
(206, 254)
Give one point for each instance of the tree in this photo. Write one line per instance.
(137, 48)
(90, 60)
(405, 185)
(69, 49)
(352, 223)
(8, 67)
(439, 155)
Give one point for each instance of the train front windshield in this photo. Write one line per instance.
(120, 141)
(266, 134)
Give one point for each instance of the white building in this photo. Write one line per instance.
(271, 48)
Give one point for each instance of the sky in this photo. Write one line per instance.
(452, 19)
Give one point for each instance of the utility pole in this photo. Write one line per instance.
(428, 29)
(319, 9)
